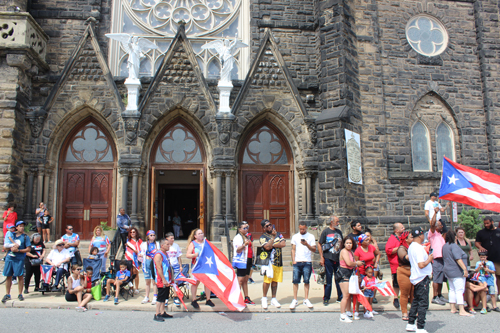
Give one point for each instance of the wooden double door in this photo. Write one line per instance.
(86, 200)
(266, 195)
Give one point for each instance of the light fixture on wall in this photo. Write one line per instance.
(194, 173)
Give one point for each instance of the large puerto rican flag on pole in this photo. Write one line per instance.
(214, 270)
(470, 186)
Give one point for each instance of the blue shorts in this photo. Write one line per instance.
(13, 266)
(302, 269)
(491, 290)
(368, 293)
(146, 269)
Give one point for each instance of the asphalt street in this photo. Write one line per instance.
(67, 320)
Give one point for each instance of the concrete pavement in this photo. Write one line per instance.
(285, 296)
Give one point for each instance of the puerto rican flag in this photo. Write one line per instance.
(214, 270)
(46, 273)
(470, 186)
(182, 277)
(383, 288)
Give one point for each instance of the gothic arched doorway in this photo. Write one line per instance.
(177, 172)
(266, 168)
(86, 174)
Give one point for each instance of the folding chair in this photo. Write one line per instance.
(96, 266)
(125, 290)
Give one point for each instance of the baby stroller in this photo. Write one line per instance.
(125, 289)
(48, 277)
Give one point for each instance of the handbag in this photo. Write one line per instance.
(327, 246)
(338, 274)
(36, 262)
(96, 290)
(262, 258)
(354, 285)
(321, 272)
(78, 257)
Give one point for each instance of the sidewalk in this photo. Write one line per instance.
(285, 296)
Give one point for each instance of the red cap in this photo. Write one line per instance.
(10, 226)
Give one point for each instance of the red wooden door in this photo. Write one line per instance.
(86, 200)
(266, 196)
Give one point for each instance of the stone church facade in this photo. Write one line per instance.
(416, 79)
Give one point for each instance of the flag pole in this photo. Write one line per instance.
(229, 248)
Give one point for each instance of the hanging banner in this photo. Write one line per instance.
(455, 212)
(353, 150)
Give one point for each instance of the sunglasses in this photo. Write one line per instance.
(78, 269)
(69, 229)
(268, 225)
(245, 228)
(60, 244)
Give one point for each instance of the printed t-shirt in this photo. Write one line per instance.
(123, 275)
(329, 235)
(173, 254)
(250, 251)
(71, 239)
(101, 243)
(24, 241)
(274, 253)
(486, 277)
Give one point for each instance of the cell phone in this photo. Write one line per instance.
(302, 240)
(274, 227)
(431, 250)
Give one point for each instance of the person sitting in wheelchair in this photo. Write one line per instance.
(59, 257)
(121, 276)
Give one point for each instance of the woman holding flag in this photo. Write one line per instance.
(134, 242)
(195, 246)
(148, 250)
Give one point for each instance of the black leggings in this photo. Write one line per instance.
(30, 271)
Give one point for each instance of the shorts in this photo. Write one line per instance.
(45, 226)
(163, 294)
(146, 269)
(395, 283)
(491, 290)
(38, 225)
(13, 267)
(70, 297)
(345, 273)
(241, 272)
(277, 275)
(438, 270)
(497, 268)
(368, 293)
(302, 269)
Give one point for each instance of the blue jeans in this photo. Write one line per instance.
(330, 267)
(302, 269)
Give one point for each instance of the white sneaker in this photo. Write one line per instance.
(293, 305)
(130, 284)
(421, 330)
(348, 313)
(154, 301)
(411, 328)
(308, 304)
(356, 316)
(264, 303)
(145, 300)
(345, 319)
(367, 315)
(136, 291)
(14, 282)
(275, 303)
(374, 313)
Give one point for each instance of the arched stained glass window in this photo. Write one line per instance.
(265, 147)
(421, 156)
(158, 21)
(89, 145)
(178, 145)
(444, 144)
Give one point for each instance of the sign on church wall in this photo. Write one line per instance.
(353, 150)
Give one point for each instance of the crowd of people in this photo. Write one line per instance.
(414, 257)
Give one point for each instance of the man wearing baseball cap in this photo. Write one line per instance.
(14, 265)
(421, 268)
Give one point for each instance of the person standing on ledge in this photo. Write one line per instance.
(357, 229)
(123, 223)
(429, 210)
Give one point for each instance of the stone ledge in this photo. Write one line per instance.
(410, 175)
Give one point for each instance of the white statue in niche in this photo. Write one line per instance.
(136, 48)
(226, 50)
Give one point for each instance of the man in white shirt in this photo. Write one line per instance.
(174, 255)
(303, 246)
(420, 271)
(429, 210)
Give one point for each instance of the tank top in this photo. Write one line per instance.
(165, 265)
(344, 265)
(197, 249)
(75, 283)
(466, 248)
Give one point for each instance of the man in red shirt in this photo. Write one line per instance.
(391, 248)
(9, 217)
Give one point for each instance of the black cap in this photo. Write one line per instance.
(263, 223)
(433, 194)
(417, 231)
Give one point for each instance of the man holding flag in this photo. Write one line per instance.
(163, 277)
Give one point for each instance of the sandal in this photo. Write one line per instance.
(405, 318)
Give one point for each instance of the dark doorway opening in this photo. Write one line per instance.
(183, 199)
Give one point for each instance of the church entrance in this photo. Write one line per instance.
(265, 180)
(87, 173)
(177, 181)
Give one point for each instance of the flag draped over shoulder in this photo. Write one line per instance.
(214, 270)
(470, 186)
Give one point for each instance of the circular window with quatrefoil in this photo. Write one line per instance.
(426, 35)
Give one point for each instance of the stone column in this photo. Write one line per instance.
(124, 174)
(229, 203)
(140, 214)
(39, 188)
(309, 213)
(303, 202)
(28, 211)
(46, 185)
(217, 174)
(135, 179)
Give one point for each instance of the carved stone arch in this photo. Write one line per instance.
(59, 131)
(171, 117)
(283, 126)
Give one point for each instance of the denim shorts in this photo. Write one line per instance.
(368, 293)
(491, 290)
(146, 269)
(302, 269)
